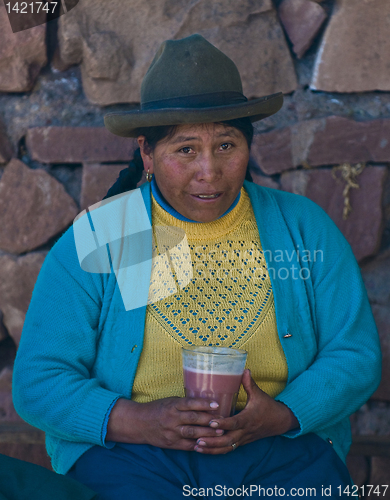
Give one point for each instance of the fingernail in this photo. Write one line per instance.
(199, 450)
(219, 432)
(213, 423)
(201, 443)
(214, 405)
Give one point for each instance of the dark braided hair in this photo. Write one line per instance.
(130, 176)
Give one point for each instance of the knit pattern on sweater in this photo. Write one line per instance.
(229, 302)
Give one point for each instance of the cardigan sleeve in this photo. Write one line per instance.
(347, 367)
(53, 385)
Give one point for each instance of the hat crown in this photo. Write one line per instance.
(188, 67)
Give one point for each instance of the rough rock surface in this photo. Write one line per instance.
(360, 60)
(97, 180)
(320, 142)
(22, 55)
(342, 140)
(17, 279)
(382, 320)
(376, 276)
(3, 330)
(6, 149)
(34, 207)
(363, 227)
(115, 47)
(302, 20)
(7, 410)
(380, 473)
(29, 19)
(263, 180)
(271, 152)
(78, 144)
(358, 468)
(372, 419)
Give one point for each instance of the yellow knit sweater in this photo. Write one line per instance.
(229, 302)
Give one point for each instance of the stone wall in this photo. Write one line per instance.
(330, 142)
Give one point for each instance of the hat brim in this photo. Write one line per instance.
(128, 123)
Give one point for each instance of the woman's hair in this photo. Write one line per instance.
(129, 177)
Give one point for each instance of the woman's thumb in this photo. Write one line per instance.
(247, 381)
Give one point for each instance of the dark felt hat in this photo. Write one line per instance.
(190, 81)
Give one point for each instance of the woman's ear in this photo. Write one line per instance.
(146, 156)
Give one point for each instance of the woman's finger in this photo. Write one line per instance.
(248, 383)
(228, 424)
(194, 418)
(197, 432)
(215, 450)
(196, 404)
(219, 442)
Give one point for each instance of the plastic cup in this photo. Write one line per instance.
(215, 373)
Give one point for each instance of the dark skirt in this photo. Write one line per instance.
(304, 467)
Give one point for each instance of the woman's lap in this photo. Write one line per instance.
(276, 464)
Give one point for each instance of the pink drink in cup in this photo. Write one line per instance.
(215, 373)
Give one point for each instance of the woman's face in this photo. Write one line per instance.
(200, 169)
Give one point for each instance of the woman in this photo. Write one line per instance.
(99, 366)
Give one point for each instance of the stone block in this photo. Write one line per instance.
(341, 140)
(29, 19)
(6, 149)
(264, 180)
(6, 379)
(271, 152)
(22, 55)
(376, 276)
(382, 320)
(78, 145)
(363, 227)
(57, 64)
(321, 142)
(3, 330)
(17, 279)
(7, 410)
(259, 177)
(370, 445)
(380, 474)
(302, 137)
(371, 429)
(97, 180)
(360, 60)
(34, 207)
(302, 19)
(7, 353)
(358, 467)
(115, 60)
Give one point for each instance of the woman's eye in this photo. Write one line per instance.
(226, 145)
(186, 150)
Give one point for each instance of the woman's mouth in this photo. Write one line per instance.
(207, 196)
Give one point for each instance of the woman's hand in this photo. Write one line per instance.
(262, 417)
(166, 423)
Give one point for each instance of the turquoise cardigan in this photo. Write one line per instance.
(80, 347)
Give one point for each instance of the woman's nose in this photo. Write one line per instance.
(208, 168)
